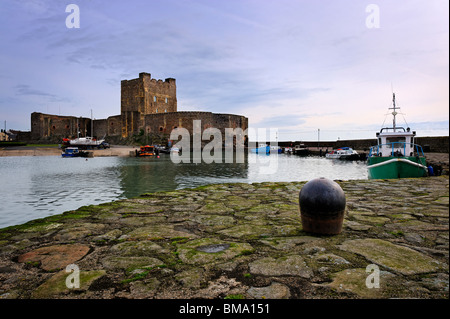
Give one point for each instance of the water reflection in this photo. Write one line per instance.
(143, 175)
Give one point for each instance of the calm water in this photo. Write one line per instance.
(33, 187)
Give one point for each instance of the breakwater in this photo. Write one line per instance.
(435, 144)
(236, 241)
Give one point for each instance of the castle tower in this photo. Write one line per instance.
(142, 96)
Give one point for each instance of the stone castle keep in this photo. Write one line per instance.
(148, 107)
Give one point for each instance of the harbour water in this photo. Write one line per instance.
(34, 187)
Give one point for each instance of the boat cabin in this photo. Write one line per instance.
(394, 143)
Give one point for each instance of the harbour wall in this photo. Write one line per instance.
(437, 144)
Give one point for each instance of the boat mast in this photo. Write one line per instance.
(394, 113)
(92, 125)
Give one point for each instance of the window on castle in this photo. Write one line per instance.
(165, 110)
(154, 99)
(166, 100)
(156, 110)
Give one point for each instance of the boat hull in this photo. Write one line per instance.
(261, 150)
(396, 167)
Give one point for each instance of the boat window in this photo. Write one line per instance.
(396, 139)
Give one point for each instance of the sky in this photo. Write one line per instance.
(308, 69)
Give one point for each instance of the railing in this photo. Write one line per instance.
(375, 150)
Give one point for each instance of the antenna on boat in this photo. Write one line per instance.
(394, 112)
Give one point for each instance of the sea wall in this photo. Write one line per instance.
(438, 144)
(237, 241)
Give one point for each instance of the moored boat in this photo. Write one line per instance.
(343, 153)
(301, 149)
(147, 150)
(73, 152)
(396, 155)
(85, 142)
(262, 149)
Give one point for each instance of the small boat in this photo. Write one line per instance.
(85, 142)
(73, 152)
(147, 150)
(343, 153)
(262, 149)
(275, 149)
(288, 150)
(396, 155)
(301, 149)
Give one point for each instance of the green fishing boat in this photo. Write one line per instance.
(396, 155)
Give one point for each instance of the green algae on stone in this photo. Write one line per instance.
(191, 278)
(356, 226)
(42, 227)
(274, 291)
(57, 285)
(354, 281)
(130, 263)
(288, 243)
(141, 221)
(144, 288)
(79, 230)
(156, 232)
(442, 200)
(371, 219)
(193, 252)
(214, 207)
(214, 222)
(109, 236)
(136, 248)
(397, 258)
(290, 265)
(249, 231)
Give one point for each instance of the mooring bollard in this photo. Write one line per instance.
(322, 206)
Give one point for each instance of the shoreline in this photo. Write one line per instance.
(156, 245)
(440, 161)
(121, 151)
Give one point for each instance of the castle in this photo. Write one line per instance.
(148, 108)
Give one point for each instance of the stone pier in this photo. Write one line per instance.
(237, 241)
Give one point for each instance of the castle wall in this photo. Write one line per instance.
(112, 126)
(163, 124)
(48, 126)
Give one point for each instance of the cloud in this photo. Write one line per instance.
(26, 90)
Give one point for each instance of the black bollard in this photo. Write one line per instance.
(322, 206)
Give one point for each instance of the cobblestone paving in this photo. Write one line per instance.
(237, 241)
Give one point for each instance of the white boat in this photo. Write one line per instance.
(342, 153)
(85, 142)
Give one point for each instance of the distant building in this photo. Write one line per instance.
(148, 107)
(3, 136)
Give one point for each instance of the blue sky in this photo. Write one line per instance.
(295, 65)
